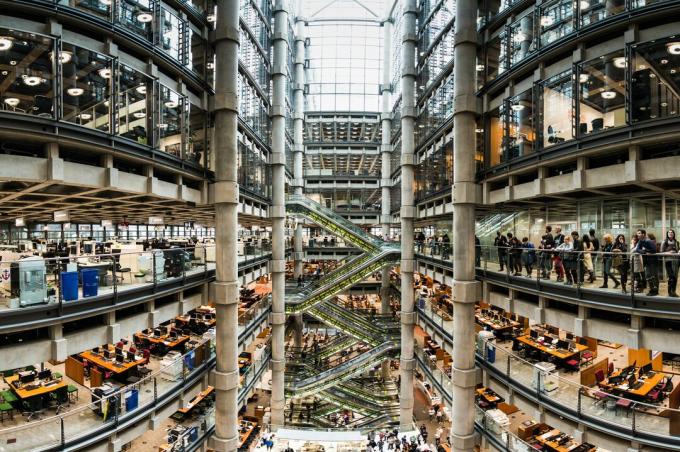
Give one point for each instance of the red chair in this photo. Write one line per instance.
(611, 368)
(587, 357)
(625, 404)
(572, 364)
(146, 354)
(655, 396)
(599, 376)
(600, 397)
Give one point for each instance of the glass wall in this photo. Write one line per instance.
(253, 172)
(134, 94)
(27, 77)
(434, 171)
(654, 80)
(602, 93)
(172, 121)
(521, 36)
(556, 20)
(556, 113)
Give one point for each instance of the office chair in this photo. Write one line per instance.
(32, 408)
(59, 399)
(597, 124)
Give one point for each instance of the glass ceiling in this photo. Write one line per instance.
(341, 9)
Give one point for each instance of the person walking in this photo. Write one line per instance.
(620, 259)
(566, 257)
(597, 247)
(608, 262)
(557, 259)
(670, 246)
(501, 244)
(514, 255)
(446, 246)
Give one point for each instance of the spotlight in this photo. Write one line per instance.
(620, 62)
(673, 48)
(12, 101)
(75, 92)
(517, 107)
(5, 43)
(608, 94)
(105, 72)
(139, 114)
(582, 78)
(85, 116)
(144, 17)
(171, 104)
(141, 89)
(32, 80)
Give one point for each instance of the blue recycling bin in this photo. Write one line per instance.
(131, 400)
(490, 353)
(69, 286)
(90, 282)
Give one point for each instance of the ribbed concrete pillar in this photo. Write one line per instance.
(464, 199)
(278, 208)
(298, 150)
(407, 213)
(226, 376)
(385, 177)
(298, 124)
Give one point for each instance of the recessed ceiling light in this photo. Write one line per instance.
(608, 94)
(141, 89)
(13, 63)
(5, 43)
(664, 104)
(584, 4)
(32, 80)
(583, 78)
(85, 116)
(139, 114)
(517, 107)
(144, 17)
(620, 62)
(105, 73)
(64, 56)
(12, 101)
(75, 91)
(171, 104)
(664, 61)
(673, 48)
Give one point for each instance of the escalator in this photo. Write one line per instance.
(371, 332)
(348, 369)
(341, 279)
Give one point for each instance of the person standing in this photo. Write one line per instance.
(564, 254)
(620, 259)
(588, 259)
(608, 262)
(597, 246)
(528, 255)
(446, 246)
(546, 246)
(501, 244)
(647, 249)
(557, 259)
(670, 246)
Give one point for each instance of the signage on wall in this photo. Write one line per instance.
(61, 216)
(156, 220)
(19, 222)
(107, 223)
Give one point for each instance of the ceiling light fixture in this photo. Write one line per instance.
(64, 56)
(12, 101)
(31, 80)
(480, 67)
(583, 78)
(75, 91)
(144, 17)
(141, 89)
(5, 43)
(673, 48)
(584, 4)
(85, 116)
(664, 61)
(608, 94)
(139, 114)
(105, 2)
(517, 107)
(620, 62)
(547, 21)
(105, 72)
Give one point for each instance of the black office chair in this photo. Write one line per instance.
(32, 407)
(597, 124)
(59, 399)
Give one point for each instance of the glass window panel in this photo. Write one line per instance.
(592, 11)
(87, 78)
(602, 94)
(556, 20)
(101, 8)
(646, 214)
(557, 109)
(654, 80)
(26, 73)
(198, 135)
(135, 91)
(171, 122)
(172, 34)
(137, 16)
(521, 137)
(522, 38)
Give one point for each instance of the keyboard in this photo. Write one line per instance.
(51, 383)
(638, 385)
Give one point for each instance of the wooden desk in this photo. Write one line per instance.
(636, 394)
(165, 339)
(488, 395)
(40, 390)
(249, 429)
(112, 366)
(561, 355)
(196, 400)
(555, 447)
(496, 326)
(183, 320)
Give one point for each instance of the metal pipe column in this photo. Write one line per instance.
(464, 197)
(278, 208)
(226, 375)
(386, 179)
(298, 149)
(407, 212)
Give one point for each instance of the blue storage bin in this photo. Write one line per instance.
(131, 400)
(69, 286)
(90, 282)
(490, 353)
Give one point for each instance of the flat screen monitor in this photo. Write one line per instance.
(107, 353)
(534, 334)
(631, 380)
(646, 369)
(130, 356)
(157, 332)
(119, 357)
(95, 350)
(562, 344)
(45, 374)
(27, 378)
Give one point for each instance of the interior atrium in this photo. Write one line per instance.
(339, 225)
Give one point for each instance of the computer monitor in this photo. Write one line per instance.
(173, 333)
(533, 334)
(130, 356)
(119, 357)
(547, 338)
(631, 380)
(95, 350)
(157, 332)
(119, 350)
(646, 369)
(27, 378)
(107, 353)
(562, 344)
(45, 374)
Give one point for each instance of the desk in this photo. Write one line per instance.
(183, 321)
(488, 395)
(42, 389)
(111, 365)
(560, 354)
(196, 400)
(635, 394)
(498, 327)
(246, 428)
(568, 446)
(164, 340)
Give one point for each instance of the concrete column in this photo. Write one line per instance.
(407, 213)
(278, 208)
(385, 171)
(464, 196)
(298, 124)
(226, 375)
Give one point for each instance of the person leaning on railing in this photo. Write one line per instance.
(646, 247)
(620, 259)
(671, 247)
(608, 258)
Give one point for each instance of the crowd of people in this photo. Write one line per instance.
(572, 258)
(392, 440)
(437, 245)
